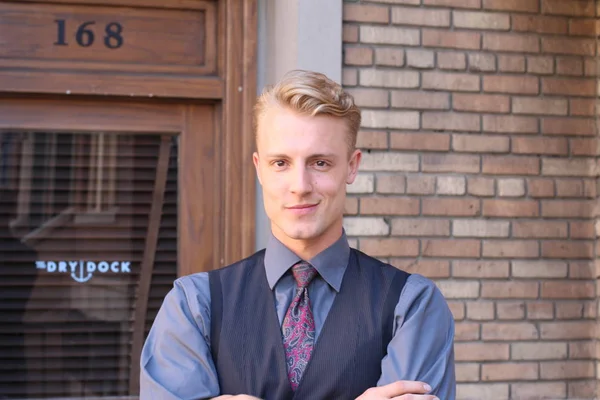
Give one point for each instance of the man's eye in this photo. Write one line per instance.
(321, 163)
(280, 164)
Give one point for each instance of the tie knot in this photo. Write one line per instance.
(303, 273)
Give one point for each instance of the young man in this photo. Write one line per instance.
(309, 317)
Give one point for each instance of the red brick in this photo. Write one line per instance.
(412, 99)
(350, 33)
(391, 57)
(506, 165)
(510, 208)
(560, 370)
(425, 141)
(582, 107)
(480, 186)
(542, 65)
(372, 140)
(511, 63)
(391, 183)
(370, 97)
(569, 166)
(461, 248)
(420, 227)
(451, 40)
(420, 16)
(539, 24)
(349, 77)
(569, 126)
(465, 331)
(482, 62)
(420, 185)
(481, 351)
(584, 27)
(540, 145)
(538, 351)
(509, 371)
(480, 269)
(569, 66)
(569, 188)
(508, 289)
(539, 229)
(585, 147)
(576, 8)
(582, 349)
(432, 269)
(540, 187)
(589, 188)
(480, 20)
(567, 249)
(520, 43)
(390, 247)
(389, 206)
(582, 230)
(581, 390)
(448, 162)
(511, 187)
(568, 86)
(567, 208)
(451, 60)
(509, 331)
(590, 67)
(459, 290)
(481, 102)
(454, 3)
(467, 372)
(511, 84)
(512, 5)
(450, 81)
(480, 143)
(366, 13)
(480, 311)
(420, 58)
(510, 249)
(583, 47)
(510, 124)
(457, 308)
(351, 206)
(450, 207)
(540, 310)
(581, 270)
(539, 269)
(540, 106)
(568, 330)
(569, 310)
(451, 121)
(358, 56)
(510, 310)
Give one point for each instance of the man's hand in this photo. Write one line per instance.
(237, 397)
(400, 390)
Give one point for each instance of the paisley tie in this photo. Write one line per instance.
(298, 327)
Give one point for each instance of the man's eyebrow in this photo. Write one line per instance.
(312, 156)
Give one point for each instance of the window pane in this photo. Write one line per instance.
(75, 215)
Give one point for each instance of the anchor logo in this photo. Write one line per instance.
(82, 271)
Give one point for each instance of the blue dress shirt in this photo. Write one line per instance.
(176, 362)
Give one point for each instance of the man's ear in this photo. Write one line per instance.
(353, 165)
(256, 161)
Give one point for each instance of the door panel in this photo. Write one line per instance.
(99, 214)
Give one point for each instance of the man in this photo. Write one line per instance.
(307, 318)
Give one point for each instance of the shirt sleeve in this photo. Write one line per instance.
(422, 345)
(176, 362)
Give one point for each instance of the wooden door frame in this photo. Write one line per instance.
(232, 89)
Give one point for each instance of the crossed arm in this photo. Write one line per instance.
(176, 363)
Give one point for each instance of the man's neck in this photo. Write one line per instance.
(308, 249)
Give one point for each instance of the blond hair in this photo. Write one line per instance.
(311, 93)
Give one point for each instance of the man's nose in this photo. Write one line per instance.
(300, 181)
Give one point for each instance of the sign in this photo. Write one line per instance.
(82, 271)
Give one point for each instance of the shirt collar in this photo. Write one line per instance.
(331, 263)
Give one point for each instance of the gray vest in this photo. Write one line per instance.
(246, 341)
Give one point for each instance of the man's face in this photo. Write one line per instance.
(303, 166)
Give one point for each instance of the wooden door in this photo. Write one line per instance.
(104, 204)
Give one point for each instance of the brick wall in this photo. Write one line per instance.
(479, 169)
